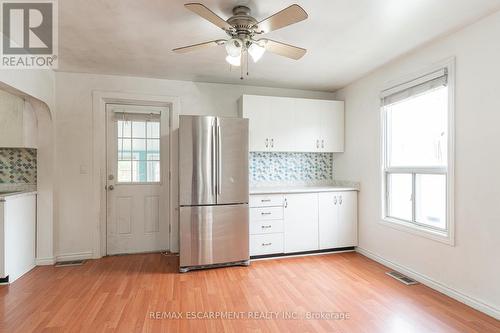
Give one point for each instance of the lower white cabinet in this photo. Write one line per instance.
(301, 222)
(338, 217)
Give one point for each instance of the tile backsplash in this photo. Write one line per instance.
(273, 167)
(18, 166)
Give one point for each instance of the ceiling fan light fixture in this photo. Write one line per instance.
(234, 61)
(256, 51)
(234, 46)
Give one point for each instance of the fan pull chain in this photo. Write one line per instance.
(247, 63)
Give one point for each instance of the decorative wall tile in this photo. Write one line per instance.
(17, 166)
(285, 167)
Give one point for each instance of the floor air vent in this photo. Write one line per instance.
(402, 278)
(70, 263)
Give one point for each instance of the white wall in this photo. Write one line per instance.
(76, 224)
(37, 87)
(471, 267)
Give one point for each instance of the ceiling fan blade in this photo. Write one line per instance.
(286, 50)
(208, 15)
(287, 16)
(200, 46)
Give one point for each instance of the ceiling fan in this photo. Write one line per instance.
(243, 29)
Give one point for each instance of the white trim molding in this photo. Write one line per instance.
(74, 256)
(474, 303)
(45, 261)
(99, 101)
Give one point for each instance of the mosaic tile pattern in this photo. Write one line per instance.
(17, 166)
(272, 167)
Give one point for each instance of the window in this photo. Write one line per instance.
(138, 148)
(416, 160)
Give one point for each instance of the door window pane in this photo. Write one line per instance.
(138, 151)
(417, 130)
(430, 204)
(400, 196)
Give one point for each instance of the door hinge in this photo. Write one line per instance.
(169, 228)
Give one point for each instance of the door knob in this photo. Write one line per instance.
(111, 187)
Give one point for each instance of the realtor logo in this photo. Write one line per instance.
(29, 34)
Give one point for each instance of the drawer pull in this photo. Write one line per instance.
(265, 213)
(267, 244)
(266, 226)
(265, 200)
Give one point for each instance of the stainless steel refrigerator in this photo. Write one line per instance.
(213, 192)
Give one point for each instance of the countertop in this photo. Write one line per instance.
(299, 189)
(14, 194)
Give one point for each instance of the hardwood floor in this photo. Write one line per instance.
(135, 293)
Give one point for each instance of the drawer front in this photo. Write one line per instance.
(266, 244)
(266, 227)
(266, 200)
(266, 213)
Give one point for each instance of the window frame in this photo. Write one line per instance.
(447, 235)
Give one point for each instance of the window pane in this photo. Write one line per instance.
(400, 193)
(153, 171)
(153, 150)
(139, 149)
(430, 204)
(417, 130)
(153, 129)
(124, 128)
(124, 171)
(124, 149)
(139, 171)
(139, 129)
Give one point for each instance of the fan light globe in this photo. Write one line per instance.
(256, 51)
(234, 61)
(234, 47)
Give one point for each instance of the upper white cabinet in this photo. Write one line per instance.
(293, 124)
(18, 123)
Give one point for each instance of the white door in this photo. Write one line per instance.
(308, 126)
(301, 222)
(328, 220)
(332, 125)
(258, 110)
(347, 227)
(137, 179)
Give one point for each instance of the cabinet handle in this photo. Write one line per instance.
(340, 200)
(335, 200)
(317, 143)
(265, 213)
(266, 244)
(266, 226)
(322, 143)
(267, 143)
(272, 143)
(286, 203)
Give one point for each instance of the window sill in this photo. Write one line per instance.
(445, 237)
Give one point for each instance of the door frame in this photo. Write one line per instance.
(99, 164)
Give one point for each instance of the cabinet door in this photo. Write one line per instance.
(282, 124)
(328, 219)
(347, 227)
(257, 110)
(308, 126)
(332, 126)
(301, 222)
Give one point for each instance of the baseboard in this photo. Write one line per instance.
(74, 256)
(45, 261)
(455, 294)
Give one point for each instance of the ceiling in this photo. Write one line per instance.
(345, 39)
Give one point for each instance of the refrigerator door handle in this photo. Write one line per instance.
(219, 159)
(214, 164)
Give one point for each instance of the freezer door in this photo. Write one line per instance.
(197, 167)
(213, 235)
(232, 157)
